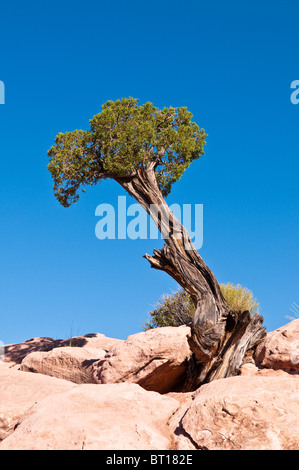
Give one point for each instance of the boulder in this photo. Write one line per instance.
(19, 391)
(280, 349)
(91, 341)
(251, 370)
(15, 353)
(242, 413)
(121, 409)
(68, 363)
(155, 359)
(93, 417)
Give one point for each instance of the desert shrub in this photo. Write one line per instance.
(171, 310)
(178, 308)
(239, 298)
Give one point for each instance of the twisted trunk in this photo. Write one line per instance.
(220, 337)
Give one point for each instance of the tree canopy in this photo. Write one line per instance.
(123, 139)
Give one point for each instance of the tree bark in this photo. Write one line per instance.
(219, 337)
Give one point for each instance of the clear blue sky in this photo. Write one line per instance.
(231, 63)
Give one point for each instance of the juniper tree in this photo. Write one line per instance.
(146, 150)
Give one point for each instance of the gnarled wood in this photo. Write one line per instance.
(178, 257)
(219, 351)
(220, 337)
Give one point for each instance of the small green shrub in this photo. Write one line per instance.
(172, 310)
(178, 308)
(239, 298)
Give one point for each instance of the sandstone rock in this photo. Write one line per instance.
(243, 413)
(280, 349)
(257, 410)
(19, 391)
(155, 359)
(92, 340)
(15, 353)
(251, 370)
(91, 417)
(180, 439)
(69, 363)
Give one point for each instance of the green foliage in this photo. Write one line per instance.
(124, 138)
(172, 310)
(178, 308)
(239, 298)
